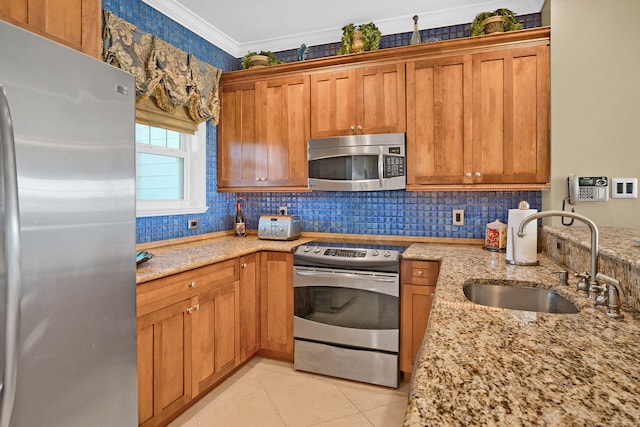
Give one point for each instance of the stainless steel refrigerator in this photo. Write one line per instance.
(67, 251)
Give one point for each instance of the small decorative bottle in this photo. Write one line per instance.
(239, 224)
(415, 37)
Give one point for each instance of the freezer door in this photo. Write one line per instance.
(73, 122)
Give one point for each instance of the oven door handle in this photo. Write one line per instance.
(346, 275)
(363, 282)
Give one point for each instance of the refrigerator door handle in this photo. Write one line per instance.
(11, 253)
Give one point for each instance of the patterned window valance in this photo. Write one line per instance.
(181, 86)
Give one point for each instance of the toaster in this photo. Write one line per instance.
(279, 227)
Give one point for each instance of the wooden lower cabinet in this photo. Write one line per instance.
(215, 336)
(276, 316)
(249, 306)
(164, 362)
(188, 338)
(418, 286)
(195, 328)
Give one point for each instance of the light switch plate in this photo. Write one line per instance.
(624, 188)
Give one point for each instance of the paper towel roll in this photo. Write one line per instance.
(522, 250)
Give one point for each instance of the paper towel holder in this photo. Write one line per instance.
(513, 261)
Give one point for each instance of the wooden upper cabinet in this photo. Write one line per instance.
(511, 116)
(238, 153)
(439, 120)
(283, 130)
(362, 100)
(74, 23)
(263, 132)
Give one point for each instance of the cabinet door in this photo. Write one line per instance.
(333, 109)
(439, 121)
(416, 297)
(283, 131)
(215, 335)
(416, 303)
(511, 116)
(164, 362)
(380, 99)
(249, 306)
(240, 158)
(276, 318)
(74, 23)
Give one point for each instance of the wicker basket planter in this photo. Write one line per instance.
(258, 61)
(493, 24)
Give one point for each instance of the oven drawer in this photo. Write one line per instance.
(378, 339)
(353, 364)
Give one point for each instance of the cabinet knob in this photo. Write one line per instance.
(197, 306)
(263, 179)
(477, 174)
(192, 284)
(257, 178)
(420, 273)
(360, 127)
(243, 265)
(352, 128)
(190, 310)
(468, 174)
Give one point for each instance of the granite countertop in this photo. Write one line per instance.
(614, 242)
(490, 366)
(168, 260)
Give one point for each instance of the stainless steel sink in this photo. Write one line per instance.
(502, 294)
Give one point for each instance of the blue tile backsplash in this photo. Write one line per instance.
(398, 213)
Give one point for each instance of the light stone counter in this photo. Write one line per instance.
(488, 366)
(168, 260)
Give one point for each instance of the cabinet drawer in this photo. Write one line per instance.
(420, 272)
(162, 292)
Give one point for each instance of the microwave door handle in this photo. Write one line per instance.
(381, 167)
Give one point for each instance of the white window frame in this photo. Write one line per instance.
(195, 178)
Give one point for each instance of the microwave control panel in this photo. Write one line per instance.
(393, 166)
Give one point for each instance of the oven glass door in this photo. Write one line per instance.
(345, 168)
(358, 300)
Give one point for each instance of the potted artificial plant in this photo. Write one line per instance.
(359, 38)
(500, 20)
(259, 60)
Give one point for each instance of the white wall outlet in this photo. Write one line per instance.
(624, 188)
(458, 217)
(282, 210)
(193, 224)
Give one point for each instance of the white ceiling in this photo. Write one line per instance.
(243, 25)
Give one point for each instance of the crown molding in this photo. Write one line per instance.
(401, 24)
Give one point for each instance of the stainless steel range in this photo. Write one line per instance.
(347, 305)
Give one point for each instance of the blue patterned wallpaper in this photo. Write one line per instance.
(397, 213)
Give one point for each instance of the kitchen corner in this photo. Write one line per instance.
(482, 365)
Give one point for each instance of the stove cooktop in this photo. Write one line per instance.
(343, 255)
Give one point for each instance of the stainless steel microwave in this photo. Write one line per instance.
(373, 162)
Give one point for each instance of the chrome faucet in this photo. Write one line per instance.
(612, 292)
(588, 280)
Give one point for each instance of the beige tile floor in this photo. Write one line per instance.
(268, 393)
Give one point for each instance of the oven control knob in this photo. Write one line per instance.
(333, 252)
(386, 254)
(316, 249)
(375, 252)
(307, 248)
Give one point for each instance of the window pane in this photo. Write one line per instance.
(142, 134)
(158, 137)
(173, 139)
(159, 177)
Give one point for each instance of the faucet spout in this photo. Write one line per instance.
(594, 238)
